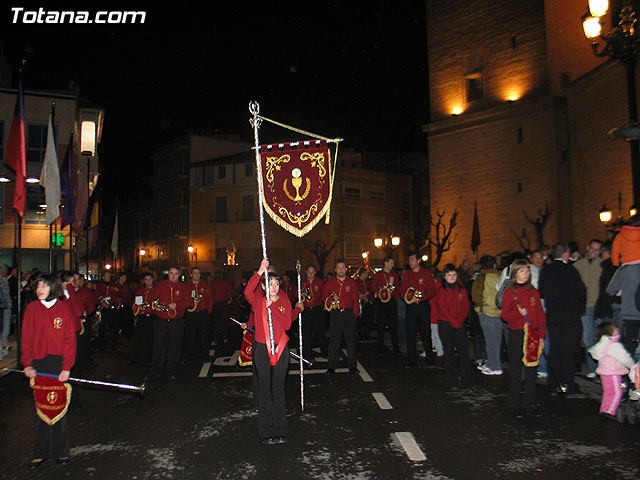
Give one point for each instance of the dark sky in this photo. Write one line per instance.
(350, 69)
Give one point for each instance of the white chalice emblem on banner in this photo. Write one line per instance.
(296, 181)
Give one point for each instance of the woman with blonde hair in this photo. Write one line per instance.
(526, 321)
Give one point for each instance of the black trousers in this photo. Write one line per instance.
(51, 441)
(387, 314)
(82, 358)
(314, 327)
(518, 373)
(196, 335)
(455, 339)
(220, 321)
(418, 318)
(565, 332)
(126, 321)
(272, 417)
(342, 323)
(167, 343)
(143, 345)
(365, 320)
(110, 323)
(630, 331)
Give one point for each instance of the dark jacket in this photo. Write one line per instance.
(603, 304)
(561, 288)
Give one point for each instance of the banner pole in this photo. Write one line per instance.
(300, 339)
(254, 109)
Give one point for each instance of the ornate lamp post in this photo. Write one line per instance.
(621, 43)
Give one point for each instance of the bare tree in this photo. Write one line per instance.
(539, 223)
(321, 250)
(439, 238)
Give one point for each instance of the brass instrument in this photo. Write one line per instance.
(159, 306)
(306, 294)
(140, 308)
(196, 300)
(242, 302)
(332, 302)
(412, 295)
(386, 292)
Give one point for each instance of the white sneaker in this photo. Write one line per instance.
(542, 374)
(591, 375)
(488, 371)
(634, 395)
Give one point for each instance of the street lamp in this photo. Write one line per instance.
(605, 214)
(622, 43)
(193, 251)
(389, 242)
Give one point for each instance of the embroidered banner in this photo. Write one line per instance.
(246, 349)
(297, 184)
(51, 398)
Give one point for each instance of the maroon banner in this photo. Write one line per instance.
(297, 182)
(51, 398)
(246, 349)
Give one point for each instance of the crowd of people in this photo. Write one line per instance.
(535, 312)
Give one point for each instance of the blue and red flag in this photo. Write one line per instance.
(16, 154)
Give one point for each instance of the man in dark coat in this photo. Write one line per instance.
(565, 295)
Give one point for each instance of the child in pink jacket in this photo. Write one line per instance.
(613, 363)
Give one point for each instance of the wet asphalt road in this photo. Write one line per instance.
(386, 422)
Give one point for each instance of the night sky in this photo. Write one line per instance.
(350, 69)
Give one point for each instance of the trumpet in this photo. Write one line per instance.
(196, 300)
(412, 295)
(140, 308)
(331, 303)
(306, 294)
(385, 293)
(158, 306)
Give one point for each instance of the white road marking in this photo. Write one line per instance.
(382, 401)
(228, 361)
(204, 371)
(363, 374)
(410, 446)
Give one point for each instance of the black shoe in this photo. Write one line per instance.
(609, 416)
(289, 412)
(173, 377)
(354, 370)
(36, 463)
(279, 440)
(269, 441)
(516, 413)
(534, 412)
(410, 365)
(331, 371)
(64, 460)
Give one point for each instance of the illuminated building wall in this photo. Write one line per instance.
(508, 68)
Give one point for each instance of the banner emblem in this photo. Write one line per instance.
(298, 184)
(51, 398)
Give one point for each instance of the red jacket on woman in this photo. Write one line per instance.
(529, 298)
(451, 304)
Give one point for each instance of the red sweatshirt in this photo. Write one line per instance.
(168, 293)
(528, 298)
(76, 306)
(48, 331)
(281, 312)
(202, 288)
(452, 305)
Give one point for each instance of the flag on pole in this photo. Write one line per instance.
(66, 186)
(475, 235)
(114, 239)
(298, 184)
(16, 154)
(50, 176)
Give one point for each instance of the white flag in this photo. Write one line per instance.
(114, 239)
(50, 176)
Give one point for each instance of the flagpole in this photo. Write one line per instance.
(254, 108)
(51, 265)
(300, 339)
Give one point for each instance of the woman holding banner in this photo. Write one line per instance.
(49, 346)
(271, 364)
